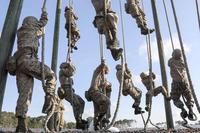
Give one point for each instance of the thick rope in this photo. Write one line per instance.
(123, 33)
(49, 115)
(198, 15)
(168, 24)
(119, 98)
(101, 47)
(185, 59)
(151, 82)
(148, 42)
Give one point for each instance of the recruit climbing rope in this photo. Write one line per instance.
(120, 86)
(49, 114)
(149, 53)
(184, 57)
(69, 32)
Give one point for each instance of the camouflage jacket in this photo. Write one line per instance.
(177, 70)
(30, 32)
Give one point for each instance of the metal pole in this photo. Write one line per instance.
(197, 6)
(56, 37)
(54, 59)
(168, 111)
(7, 41)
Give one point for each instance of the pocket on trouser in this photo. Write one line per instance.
(11, 65)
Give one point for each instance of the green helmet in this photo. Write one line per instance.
(118, 67)
(143, 75)
(177, 54)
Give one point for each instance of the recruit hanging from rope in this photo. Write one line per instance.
(106, 23)
(128, 86)
(73, 33)
(179, 70)
(132, 7)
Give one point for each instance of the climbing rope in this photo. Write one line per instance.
(119, 93)
(49, 114)
(119, 98)
(123, 33)
(151, 82)
(198, 15)
(185, 59)
(148, 42)
(168, 24)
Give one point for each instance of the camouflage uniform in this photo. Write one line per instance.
(106, 87)
(132, 7)
(27, 67)
(146, 80)
(71, 17)
(129, 88)
(100, 100)
(180, 84)
(59, 115)
(106, 23)
(67, 70)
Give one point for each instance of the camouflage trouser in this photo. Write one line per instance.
(155, 92)
(178, 89)
(108, 27)
(133, 91)
(25, 74)
(137, 13)
(101, 105)
(75, 34)
(76, 101)
(59, 120)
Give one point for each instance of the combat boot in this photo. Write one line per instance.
(82, 124)
(147, 108)
(116, 53)
(21, 126)
(48, 104)
(191, 115)
(138, 110)
(146, 31)
(184, 113)
(105, 122)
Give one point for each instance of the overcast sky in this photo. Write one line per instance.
(86, 59)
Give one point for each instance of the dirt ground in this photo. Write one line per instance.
(197, 130)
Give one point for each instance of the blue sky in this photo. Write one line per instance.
(86, 59)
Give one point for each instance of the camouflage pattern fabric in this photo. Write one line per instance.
(100, 100)
(132, 7)
(28, 67)
(128, 86)
(67, 70)
(179, 84)
(146, 80)
(75, 33)
(106, 22)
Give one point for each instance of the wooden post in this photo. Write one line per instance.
(54, 59)
(168, 112)
(7, 41)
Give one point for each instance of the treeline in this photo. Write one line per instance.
(8, 120)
